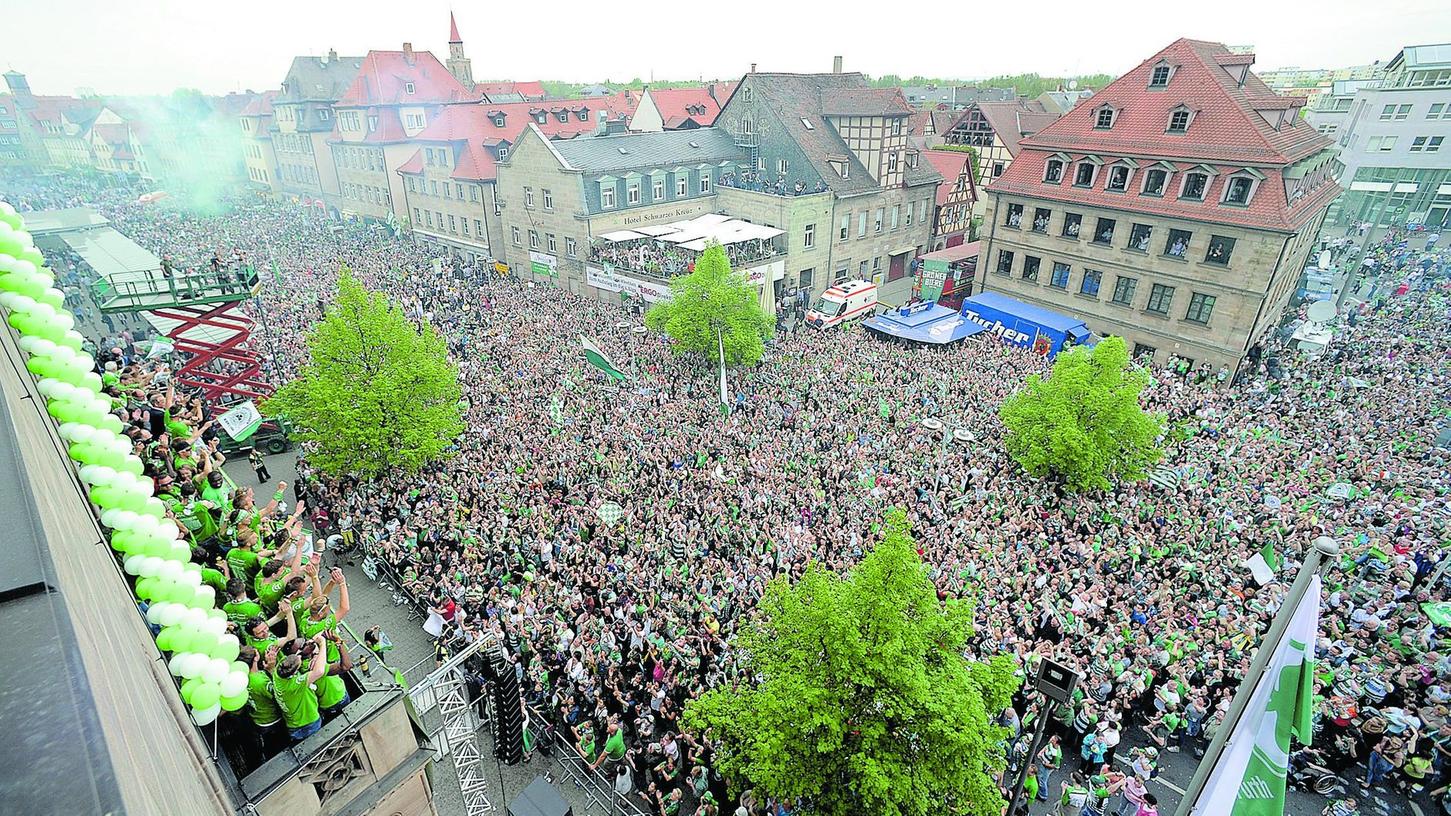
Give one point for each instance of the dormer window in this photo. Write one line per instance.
(1238, 191)
(563, 116)
(1118, 178)
(408, 87)
(583, 114)
(1053, 172)
(1160, 77)
(503, 152)
(746, 94)
(1103, 119)
(1083, 176)
(1178, 120)
(541, 117)
(1155, 179)
(1194, 186)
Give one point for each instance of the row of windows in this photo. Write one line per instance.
(360, 158)
(368, 193)
(550, 244)
(545, 195)
(1419, 144)
(1194, 185)
(444, 189)
(1176, 242)
(257, 174)
(458, 225)
(900, 217)
(608, 189)
(298, 173)
(436, 156)
(292, 143)
(1402, 112)
(1125, 287)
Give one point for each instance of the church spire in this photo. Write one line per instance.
(453, 36)
(457, 63)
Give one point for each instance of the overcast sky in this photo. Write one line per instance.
(154, 46)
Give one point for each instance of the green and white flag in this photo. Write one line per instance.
(1249, 779)
(1264, 564)
(241, 422)
(598, 359)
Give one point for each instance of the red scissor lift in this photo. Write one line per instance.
(201, 315)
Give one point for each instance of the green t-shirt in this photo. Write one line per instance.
(330, 691)
(309, 629)
(1030, 787)
(263, 708)
(243, 563)
(615, 745)
(295, 695)
(239, 612)
(220, 497)
(261, 644)
(270, 592)
(216, 580)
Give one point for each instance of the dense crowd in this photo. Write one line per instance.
(666, 259)
(1143, 589)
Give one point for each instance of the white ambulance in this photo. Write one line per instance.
(851, 300)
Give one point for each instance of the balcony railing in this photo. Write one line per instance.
(760, 183)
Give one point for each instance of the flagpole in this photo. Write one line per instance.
(720, 338)
(1326, 550)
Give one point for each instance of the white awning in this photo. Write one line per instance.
(621, 235)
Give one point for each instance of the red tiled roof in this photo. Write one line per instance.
(530, 91)
(679, 104)
(1013, 121)
(950, 163)
(413, 165)
(475, 126)
(114, 135)
(473, 163)
(384, 76)
(1225, 125)
(1267, 209)
(261, 104)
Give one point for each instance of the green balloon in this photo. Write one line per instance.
(189, 688)
(205, 695)
(164, 639)
(146, 588)
(227, 648)
(239, 666)
(234, 702)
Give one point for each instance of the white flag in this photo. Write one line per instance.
(1249, 779)
(241, 422)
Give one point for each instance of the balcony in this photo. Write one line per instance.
(673, 249)
(760, 183)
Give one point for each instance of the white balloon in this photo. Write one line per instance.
(170, 570)
(98, 475)
(191, 577)
(39, 346)
(216, 670)
(193, 664)
(154, 612)
(195, 618)
(215, 627)
(207, 715)
(174, 614)
(206, 597)
(175, 663)
(234, 683)
(126, 520)
(150, 566)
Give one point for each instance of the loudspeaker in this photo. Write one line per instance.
(539, 799)
(508, 716)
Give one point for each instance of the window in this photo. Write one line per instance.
(907, 222)
(548, 199)
(1014, 219)
(1433, 113)
(1041, 217)
(1434, 145)
(1118, 178)
(412, 185)
(1053, 172)
(1160, 297)
(1201, 306)
(503, 152)
(452, 224)
(1005, 262)
(1380, 144)
(529, 196)
(878, 219)
(1178, 243)
(1426, 144)
(464, 222)
(1072, 223)
(1237, 190)
(607, 197)
(1030, 267)
(781, 166)
(845, 227)
(897, 127)
(809, 236)
(682, 185)
(417, 216)
(1154, 181)
(1123, 290)
(657, 189)
(533, 239)
(447, 192)
(1194, 186)
(1092, 279)
(324, 114)
(1142, 352)
(896, 215)
(570, 247)
(632, 193)
(1178, 121)
(746, 94)
(1083, 176)
(862, 270)
(428, 217)
(408, 87)
(550, 243)
(1103, 233)
(1395, 112)
(478, 228)
(861, 224)
(891, 162)
(1060, 276)
(1220, 248)
(433, 187)
(1139, 236)
(704, 181)
(1104, 119)
(1160, 77)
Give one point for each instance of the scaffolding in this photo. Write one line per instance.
(446, 690)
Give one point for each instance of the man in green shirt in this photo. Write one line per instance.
(262, 706)
(292, 688)
(239, 607)
(332, 694)
(242, 559)
(272, 579)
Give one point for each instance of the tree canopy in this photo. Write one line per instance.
(1084, 424)
(712, 298)
(860, 698)
(377, 392)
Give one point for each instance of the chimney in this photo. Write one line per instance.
(836, 65)
(710, 89)
(408, 53)
(601, 122)
(753, 67)
(332, 55)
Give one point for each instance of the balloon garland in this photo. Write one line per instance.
(154, 549)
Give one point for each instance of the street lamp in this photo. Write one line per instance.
(1056, 683)
(949, 433)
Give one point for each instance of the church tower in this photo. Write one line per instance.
(458, 64)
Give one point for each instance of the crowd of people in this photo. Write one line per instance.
(616, 625)
(665, 259)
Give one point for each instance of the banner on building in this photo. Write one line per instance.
(544, 264)
(931, 276)
(611, 281)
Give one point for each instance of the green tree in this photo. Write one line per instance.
(1084, 424)
(377, 392)
(861, 699)
(712, 299)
